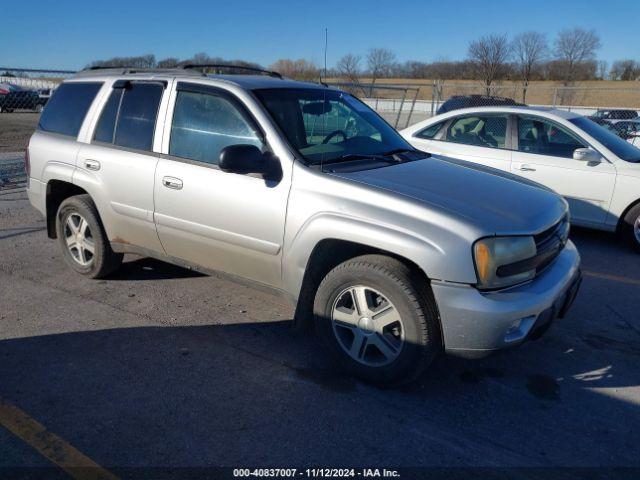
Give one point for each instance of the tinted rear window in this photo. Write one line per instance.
(128, 117)
(65, 111)
(106, 124)
(137, 116)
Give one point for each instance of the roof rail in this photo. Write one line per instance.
(126, 70)
(102, 67)
(218, 66)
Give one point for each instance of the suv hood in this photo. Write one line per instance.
(492, 200)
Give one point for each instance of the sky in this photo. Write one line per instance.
(70, 34)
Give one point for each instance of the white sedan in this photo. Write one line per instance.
(595, 170)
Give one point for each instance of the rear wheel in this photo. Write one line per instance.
(630, 227)
(376, 320)
(84, 244)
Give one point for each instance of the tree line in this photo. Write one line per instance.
(149, 61)
(529, 56)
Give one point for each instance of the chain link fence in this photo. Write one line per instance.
(403, 104)
(395, 103)
(23, 95)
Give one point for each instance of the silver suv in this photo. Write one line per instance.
(392, 255)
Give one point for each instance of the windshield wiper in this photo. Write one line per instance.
(352, 156)
(382, 157)
(395, 151)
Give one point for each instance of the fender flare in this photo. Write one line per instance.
(430, 257)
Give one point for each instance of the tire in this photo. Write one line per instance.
(630, 227)
(79, 231)
(395, 337)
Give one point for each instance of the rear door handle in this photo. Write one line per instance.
(172, 182)
(525, 168)
(92, 164)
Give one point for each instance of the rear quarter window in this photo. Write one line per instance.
(430, 132)
(67, 107)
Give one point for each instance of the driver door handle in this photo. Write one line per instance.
(172, 182)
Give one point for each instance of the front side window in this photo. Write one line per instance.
(542, 137)
(326, 125)
(67, 107)
(203, 124)
(479, 130)
(128, 119)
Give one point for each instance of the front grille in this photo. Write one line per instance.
(550, 243)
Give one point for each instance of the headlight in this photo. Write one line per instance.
(511, 253)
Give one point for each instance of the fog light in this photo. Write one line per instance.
(519, 329)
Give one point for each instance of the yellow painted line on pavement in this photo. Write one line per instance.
(614, 278)
(50, 445)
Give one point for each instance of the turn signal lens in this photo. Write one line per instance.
(483, 260)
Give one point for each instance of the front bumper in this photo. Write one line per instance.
(476, 322)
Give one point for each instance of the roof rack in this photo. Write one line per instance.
(218, 66)
(126, 70)
(188, 69)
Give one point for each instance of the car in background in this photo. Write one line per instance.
(18, 98)
(629, 130)
(594, 169)
(44, 94)
(614, 115)
(625, 129)
(608, 125)
(457, 102)
(5, 89)
(601, 121)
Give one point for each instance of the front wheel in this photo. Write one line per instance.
(630, 227)
(378, 319)
(85, 246)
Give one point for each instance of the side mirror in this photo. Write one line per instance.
(587, 155)
(242, 159)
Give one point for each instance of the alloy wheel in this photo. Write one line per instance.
(79, 239)
(367, 326)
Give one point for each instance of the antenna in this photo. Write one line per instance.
(324, 93)
(326, 41)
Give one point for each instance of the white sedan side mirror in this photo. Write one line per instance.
(587, 155)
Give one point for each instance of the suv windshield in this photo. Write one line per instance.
(327, 125)
(623, 149)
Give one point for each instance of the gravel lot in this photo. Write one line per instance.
(15, 130)
(159, 366)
